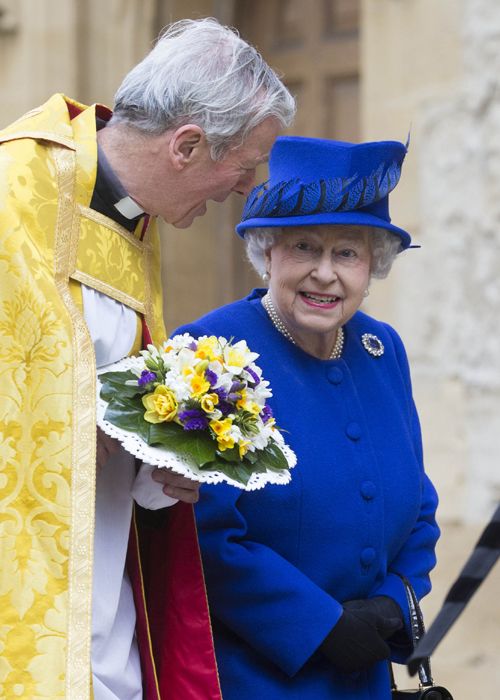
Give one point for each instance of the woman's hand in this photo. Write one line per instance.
(177, 486)
(358, 639)
(386, 609)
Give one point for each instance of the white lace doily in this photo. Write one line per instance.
(162, 457)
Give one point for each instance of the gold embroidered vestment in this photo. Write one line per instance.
(50, 242)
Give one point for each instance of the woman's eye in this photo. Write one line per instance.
(347, 253)
(303, 246)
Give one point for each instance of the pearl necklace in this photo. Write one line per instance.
(280, 326)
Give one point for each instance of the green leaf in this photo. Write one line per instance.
(193, 443)
(128, 414)
(237, 471)
(243, 474)
(252, 457)
(113, 385)
(272, 458)
(232, 455)
(117, 377)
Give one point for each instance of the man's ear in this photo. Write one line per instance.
(186, 144)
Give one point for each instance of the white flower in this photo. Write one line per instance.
(262, 392)
(178, 384)
(238, 356)
(177, 342)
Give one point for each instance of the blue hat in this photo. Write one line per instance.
(316, 181)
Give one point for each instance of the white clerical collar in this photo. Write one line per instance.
(128, 208)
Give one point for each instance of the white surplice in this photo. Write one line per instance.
(116, 670)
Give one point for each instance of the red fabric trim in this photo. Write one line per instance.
(178, 609)
(145, 224)
(149, 681)
(146, 335)
(73, 110)
(101, 111)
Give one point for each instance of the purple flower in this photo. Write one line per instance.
(192, 345)
(225, 408)
(192, 419)
(237, 386)
(254, 375)
(211, 377)
(146, 377)
(266, 413)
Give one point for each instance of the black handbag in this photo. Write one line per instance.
(427, 690)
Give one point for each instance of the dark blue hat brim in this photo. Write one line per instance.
(345, 218)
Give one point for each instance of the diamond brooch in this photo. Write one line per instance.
(372, 344)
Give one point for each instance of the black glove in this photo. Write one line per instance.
(386, 609)
(358, 639)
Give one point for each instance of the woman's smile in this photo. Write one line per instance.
(319, 301)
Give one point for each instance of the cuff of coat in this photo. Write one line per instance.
(309, 640)
(394, 588)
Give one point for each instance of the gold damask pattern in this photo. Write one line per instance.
(35, 421)
(111, 260)
(47, 404)
(81, 532)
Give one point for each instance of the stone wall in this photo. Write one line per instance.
(435, 66)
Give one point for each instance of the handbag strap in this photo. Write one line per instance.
(417, 632)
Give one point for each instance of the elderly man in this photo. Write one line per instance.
(80, 191)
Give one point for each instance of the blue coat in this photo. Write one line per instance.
(358, 511)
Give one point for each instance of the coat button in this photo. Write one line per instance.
(353, 430)
(368, 490)
(335, 375)
(367, 556)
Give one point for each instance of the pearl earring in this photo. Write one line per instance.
(266, 277)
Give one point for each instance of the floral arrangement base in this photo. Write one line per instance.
(163, 457)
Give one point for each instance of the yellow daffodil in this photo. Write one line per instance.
(234, 357)
(208, 349)
(243, 447)
(241, 402)
(161, 405)
(247, 405)
(225, 442)
(253, 407)
(209, 402)
(221, 427)
(199, 385)
(238, 356)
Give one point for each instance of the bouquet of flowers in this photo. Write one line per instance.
(199, 407)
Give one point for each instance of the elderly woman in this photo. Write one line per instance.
(304, 580)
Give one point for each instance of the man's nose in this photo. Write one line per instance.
(245, 184)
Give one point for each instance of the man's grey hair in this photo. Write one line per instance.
(201, 72)
(384, 246)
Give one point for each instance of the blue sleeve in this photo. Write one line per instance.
(255, 592)
(417, 557)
